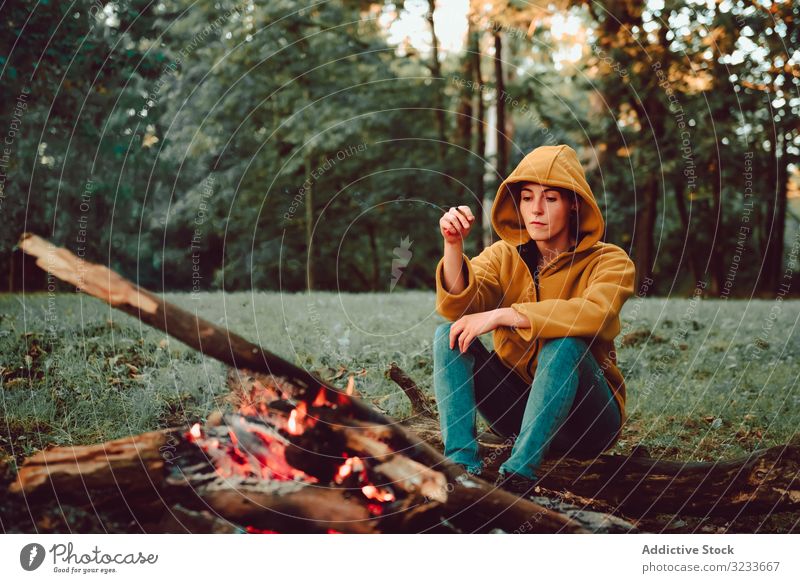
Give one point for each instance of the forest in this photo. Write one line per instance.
(312, 146)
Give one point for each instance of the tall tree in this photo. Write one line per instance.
(436, 73)
(500, 105)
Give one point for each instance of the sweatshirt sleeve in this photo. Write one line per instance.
(611, 283)
(483, 291)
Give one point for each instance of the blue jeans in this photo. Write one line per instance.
(569, 409)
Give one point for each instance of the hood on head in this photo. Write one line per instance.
(549, 166)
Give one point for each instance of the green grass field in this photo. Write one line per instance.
(707, 379)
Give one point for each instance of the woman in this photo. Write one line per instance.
(551, 293)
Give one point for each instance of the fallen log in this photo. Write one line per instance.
(126, 468)
(215, 341)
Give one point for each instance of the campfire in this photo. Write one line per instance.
(282, 440)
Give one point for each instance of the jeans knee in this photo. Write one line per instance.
(567, 345)
(443, 329)
(441, 338)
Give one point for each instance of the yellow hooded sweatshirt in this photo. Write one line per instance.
(580, 292)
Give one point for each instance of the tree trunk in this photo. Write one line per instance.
(688, 235)
(309, 216)
(466, 97)
(482, 234)
(639, 485)
(436, 72)
(502, 141)
(775, 220)
(373, 247)
(716, 252)
(645, 228)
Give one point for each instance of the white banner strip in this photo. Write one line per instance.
(390, 558)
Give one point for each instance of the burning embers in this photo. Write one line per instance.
(354, 467)
(244, 447)
(296, 419)
(320, 444)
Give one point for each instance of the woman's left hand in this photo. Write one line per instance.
(468, 328)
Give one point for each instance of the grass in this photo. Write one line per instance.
(709, 379)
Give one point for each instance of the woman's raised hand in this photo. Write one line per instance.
(456, 224)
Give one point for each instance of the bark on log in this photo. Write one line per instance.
(131, 467)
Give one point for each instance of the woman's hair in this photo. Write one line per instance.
(570, 196)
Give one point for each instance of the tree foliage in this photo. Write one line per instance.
(286, 145)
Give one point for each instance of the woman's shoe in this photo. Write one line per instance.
(473, 472)
(516, 483)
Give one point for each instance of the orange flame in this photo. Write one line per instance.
(349, 466)
(195, 431)
(344, 471)
(320, 399)
(371, 491)
(296, 418)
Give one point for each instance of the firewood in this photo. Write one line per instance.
(306, 509)
(202, 335)
(181, 520)
(419, 402)
(129, 467)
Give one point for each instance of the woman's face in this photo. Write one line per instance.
(545, 212)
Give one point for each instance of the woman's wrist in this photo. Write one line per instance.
(512, 318)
